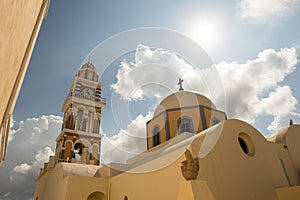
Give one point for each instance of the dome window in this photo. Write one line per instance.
(185, 124)
(156, 136)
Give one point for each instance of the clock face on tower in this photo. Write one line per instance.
(87, 92)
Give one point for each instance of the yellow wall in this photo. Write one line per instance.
(81, 187)
(160, 184)
(288, 193)
(231, 174)
(51, 185)
(20, 21)
(292, 141)
(226, 170)
(55, 185)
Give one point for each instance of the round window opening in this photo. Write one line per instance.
(246, 144)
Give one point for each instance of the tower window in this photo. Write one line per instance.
(156, 136)
(79, 119)
(89, 75)
(185, 124)
(83, 127)
(91, 122)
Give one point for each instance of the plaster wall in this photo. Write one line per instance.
(51, 185)
(20, 21)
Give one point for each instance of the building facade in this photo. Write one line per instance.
(194, 152)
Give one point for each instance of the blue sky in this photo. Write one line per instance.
(253, 44)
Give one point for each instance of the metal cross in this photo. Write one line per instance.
(180, 84)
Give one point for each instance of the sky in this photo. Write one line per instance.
(242, 54)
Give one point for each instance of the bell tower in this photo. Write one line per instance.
(80, 140)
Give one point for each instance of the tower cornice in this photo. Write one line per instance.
(82, 134)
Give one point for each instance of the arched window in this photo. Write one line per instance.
(83, 126)
(70, 122)
(156, 136)
(79, 119)
(91, 122)
(96, 126)
(95, 77)
(81, 151)
(89, 75)
(78, 147)
(185, 124)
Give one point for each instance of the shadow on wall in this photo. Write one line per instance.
(96, 196)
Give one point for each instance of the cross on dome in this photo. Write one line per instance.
(180, 84)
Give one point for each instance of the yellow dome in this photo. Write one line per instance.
(183, 99)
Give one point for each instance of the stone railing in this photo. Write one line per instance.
(92, 98)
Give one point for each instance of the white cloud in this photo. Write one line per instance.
(295, 114)
(279, 102)
(295, 117)
(22, 168)
(41, 157)
(246, 83)
(261, 10)
(155, 73)
(126, 143)
(252, 88)
(32, 143)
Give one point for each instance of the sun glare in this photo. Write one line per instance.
(205, 32)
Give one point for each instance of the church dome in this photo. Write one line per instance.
(183, 99)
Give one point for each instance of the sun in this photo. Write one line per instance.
(205, 32)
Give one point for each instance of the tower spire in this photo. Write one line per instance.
(89, 59)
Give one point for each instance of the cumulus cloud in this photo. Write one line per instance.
(295, 114)
(127, 143)
(245, 84)
(155, 73)
(41, 157)
(32, 143)
(261, 10)
(252, 89)
(22, 168)
(295, 117)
